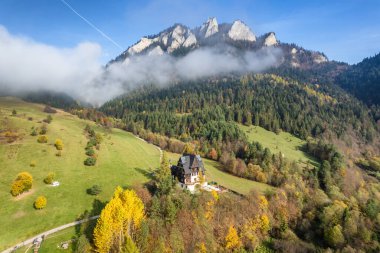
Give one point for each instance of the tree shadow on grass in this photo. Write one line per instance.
(313, 160)
(87, 228)
(146, 173)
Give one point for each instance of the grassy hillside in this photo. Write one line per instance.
(284, 142)
(122, 160)
(214, 173)
(52, 243)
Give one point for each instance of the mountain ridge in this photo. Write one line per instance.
(179, 40)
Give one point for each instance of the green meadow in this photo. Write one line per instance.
(122, 160)
(286, 143)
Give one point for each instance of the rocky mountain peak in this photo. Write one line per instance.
(270, 40)
(209, 27)
(240, 31)
(180, 40)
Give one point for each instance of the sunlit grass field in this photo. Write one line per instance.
(286, 143)
(122, 160)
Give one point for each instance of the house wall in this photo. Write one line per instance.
(194, 177)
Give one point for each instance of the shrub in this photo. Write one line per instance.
(98, 138)
(90, 152)
(48, 119)
(59, 153)
(91, 132)
(42, 139)
(48, 109)
(17, 188)
(58, 144)
(87, 128)
(50, 178)
(34, 132)
(40, 202)
(22, 183)
(94, 190)
(90, 161)
(92, 142)
(14, 112)
(43, 129)
(33, 163)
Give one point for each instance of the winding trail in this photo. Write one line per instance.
(141, 139)
(49, 232)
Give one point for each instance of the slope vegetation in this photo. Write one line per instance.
(286, 143)
(122, 160)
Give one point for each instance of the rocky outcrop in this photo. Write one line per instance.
(176, 38)
(240, 31)
(270, 40)
(209, 28)
(140, 46)
(190, 41)
(237, 36)
(320, 58)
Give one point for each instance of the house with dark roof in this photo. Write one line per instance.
(189, 171)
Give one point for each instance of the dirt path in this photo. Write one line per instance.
(141, 139)
(49, 232)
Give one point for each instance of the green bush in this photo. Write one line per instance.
(98, 138)
(91, 143)
(90, 152)
(48, 119)
(43, 129)
(50, 178)
(34, 132)
(91, 132)
(90, 161)
(94, 190)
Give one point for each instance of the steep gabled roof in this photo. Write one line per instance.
(189, 162)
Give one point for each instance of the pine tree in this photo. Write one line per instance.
(130, 246)
(163, 176)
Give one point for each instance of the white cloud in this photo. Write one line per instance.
(26, 65)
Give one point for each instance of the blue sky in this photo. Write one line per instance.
(345, 30)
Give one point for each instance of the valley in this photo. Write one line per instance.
(122, 159)
(153, 127)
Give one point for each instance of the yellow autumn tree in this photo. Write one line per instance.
(189, 149)
(215, 195)
(40, 202)
(263, 203)
(201, 177)
(232, 239)
(256, 229)
(22, 183)
(264, 224)
(118, 221)
(201, 248)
